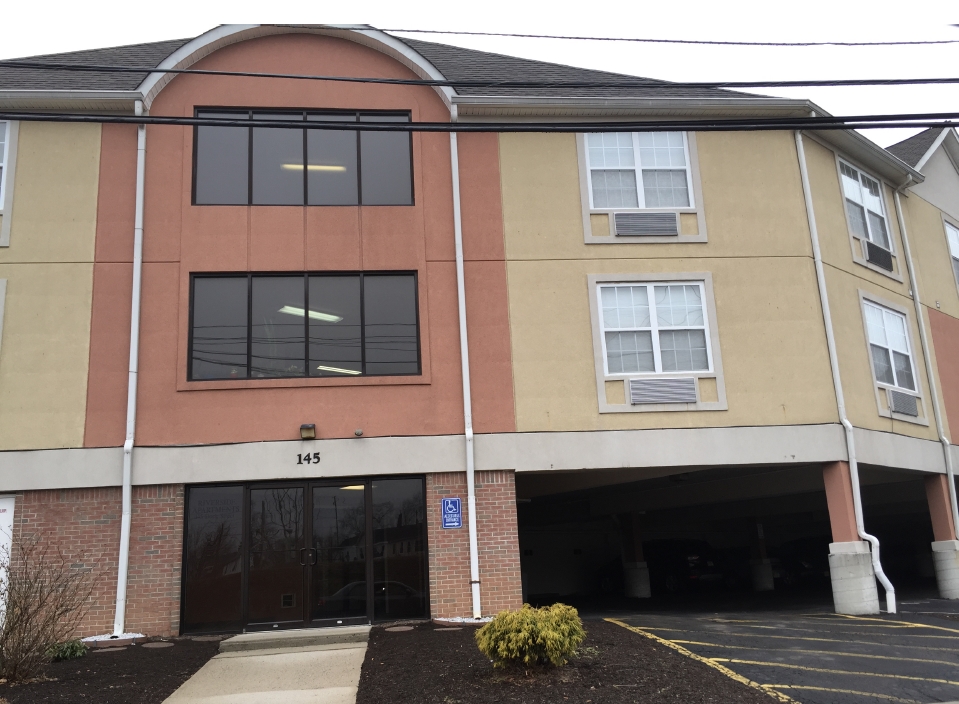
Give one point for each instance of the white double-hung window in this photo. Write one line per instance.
(889, 347)
(639, 170)
(654, 328)
(952, 235)
(864, 206)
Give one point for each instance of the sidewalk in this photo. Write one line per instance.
(326, 673)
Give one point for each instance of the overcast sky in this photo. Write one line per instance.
(32, 28)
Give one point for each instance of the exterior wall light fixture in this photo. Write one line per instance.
(308, 431)
(358, 432)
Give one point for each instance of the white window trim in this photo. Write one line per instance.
(3, 305)
(948, 222)
(881, 388)
(594, 281)
(6, 188)
(693, 181)
(856, 242)
(655, 328)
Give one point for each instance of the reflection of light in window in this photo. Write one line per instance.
(338, 370)
(315, 314)
(354, 487)
(314, 167)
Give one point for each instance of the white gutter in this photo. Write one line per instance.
(125, 520)
(930, 372)
(465, 363)
(837, 381)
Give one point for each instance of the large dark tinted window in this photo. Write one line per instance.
(261, 326)
(399, 549)
(213, 558)
(291, 166)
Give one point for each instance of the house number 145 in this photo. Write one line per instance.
(308, 458)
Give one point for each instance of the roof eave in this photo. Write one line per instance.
(70, 100)
(878, 160)
(591, 106)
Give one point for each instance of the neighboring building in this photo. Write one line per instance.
(649, 362)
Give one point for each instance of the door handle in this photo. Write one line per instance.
(314, 552)
(302, 563)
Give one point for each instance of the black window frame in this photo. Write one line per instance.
(306, 300)
(304, 114)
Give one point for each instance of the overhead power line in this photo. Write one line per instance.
(950, 119)
(670, 41)
(626, 82)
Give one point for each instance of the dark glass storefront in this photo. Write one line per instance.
(306, 553)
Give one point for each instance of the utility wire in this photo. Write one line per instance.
(627, 82)
(857, 122)
(671, 41)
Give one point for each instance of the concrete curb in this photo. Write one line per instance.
(273, 640)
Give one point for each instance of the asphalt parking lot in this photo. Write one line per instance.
(814, 656)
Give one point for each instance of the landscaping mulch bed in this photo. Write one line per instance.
(432, 665)
(116, 676)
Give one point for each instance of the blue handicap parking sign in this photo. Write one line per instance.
(452, 513)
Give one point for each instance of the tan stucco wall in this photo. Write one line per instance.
(930, 253)
(44, 352)
(770, 323)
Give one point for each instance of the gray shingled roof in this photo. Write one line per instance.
(913, 149)
(456, 63)
(131, 55)
(459, 64)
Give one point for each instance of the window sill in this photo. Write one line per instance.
(858, 244)
(300, 382)
(598, 227)
(882, 401)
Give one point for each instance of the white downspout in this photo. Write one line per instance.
(837, 381)
(465, 363)
(930, 374)
(123, 567)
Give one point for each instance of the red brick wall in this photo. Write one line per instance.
(88, 521)
(500, 581)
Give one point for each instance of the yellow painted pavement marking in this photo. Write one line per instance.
(836, 672)
(906, 624)
(817, 640)
(887, 697)
(818, 652)
(779, 696)
(815, 630)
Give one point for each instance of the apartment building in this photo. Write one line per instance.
(672, 338)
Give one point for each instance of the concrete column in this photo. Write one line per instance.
(945, 549)
(850, 562)
(635, 571)
(761, 567)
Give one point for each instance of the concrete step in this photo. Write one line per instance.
(301, 638)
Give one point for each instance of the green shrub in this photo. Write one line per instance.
(70, 650)
(532, 637)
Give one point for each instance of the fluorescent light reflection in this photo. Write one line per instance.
(355, 487)
(338, 370)
(314, 167)
(315, 314)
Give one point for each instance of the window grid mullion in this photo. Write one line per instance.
(306, 319)
(654, 328)
(249, 326)
(362, 324)
(638, 169)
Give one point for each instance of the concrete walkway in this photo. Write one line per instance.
(293, 667)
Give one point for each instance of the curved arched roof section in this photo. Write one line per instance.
(227, 34)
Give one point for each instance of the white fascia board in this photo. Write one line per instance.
(933, 147)
(68, 100)
(860, 148)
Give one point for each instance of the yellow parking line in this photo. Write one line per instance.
(887, 697)
(817, 630)
(835, 672)
(779, 696)
(817, 640)
(818, 652)
(907, 624)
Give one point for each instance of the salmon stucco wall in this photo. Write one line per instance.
(181, 238)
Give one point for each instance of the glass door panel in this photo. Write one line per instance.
(277, 555)
(399, 549)
(213, 558)
(338, 555)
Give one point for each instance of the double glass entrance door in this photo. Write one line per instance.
(287, 555)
